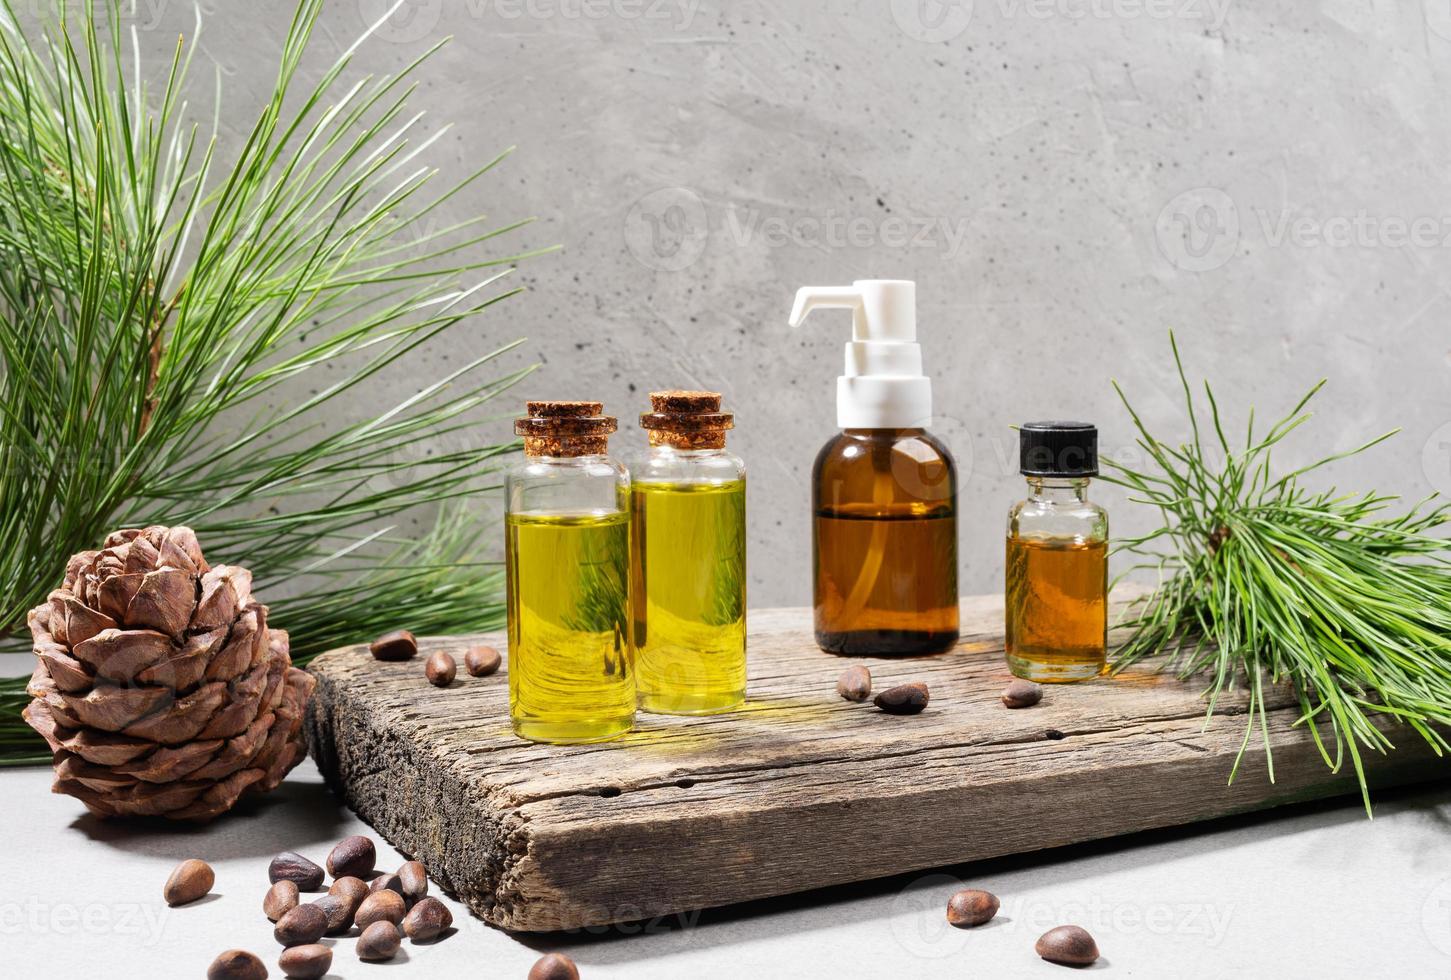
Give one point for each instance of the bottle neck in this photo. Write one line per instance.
(1056, 490)
(570, 459)
(911, 430)
(667, 450)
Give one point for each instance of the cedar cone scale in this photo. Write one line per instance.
(159, 686)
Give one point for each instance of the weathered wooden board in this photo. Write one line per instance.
(798, 790)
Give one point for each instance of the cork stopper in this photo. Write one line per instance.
(685, 402)
(564, 410)
(687, 420)
(562, 428)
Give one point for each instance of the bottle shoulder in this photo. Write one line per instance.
(854, 442)
(1078, 520)
(594, 484)
(884, 466)
(662, 465)
(561, 468)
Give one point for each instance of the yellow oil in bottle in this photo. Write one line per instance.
(689, 595)
(1057, 608)
(571, 678)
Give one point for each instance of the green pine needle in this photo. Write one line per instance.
(188, 341)
(1264, 580)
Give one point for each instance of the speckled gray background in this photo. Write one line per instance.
(1066, 181)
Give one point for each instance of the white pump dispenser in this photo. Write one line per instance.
(883, 386)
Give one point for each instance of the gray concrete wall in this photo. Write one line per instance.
(1066, 181)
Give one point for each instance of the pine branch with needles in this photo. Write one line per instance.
(185, 340)
(1263, 580)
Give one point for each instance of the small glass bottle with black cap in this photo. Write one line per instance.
(1057, 562)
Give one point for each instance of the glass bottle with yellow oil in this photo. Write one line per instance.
(884, 490)
(1057, 561)
(567, 555)
(688, 527)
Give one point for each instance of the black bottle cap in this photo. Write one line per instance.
(1058, 449)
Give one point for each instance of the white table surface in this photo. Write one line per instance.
(1317, 890)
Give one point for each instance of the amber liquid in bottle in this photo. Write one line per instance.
(1057, 608)
(885, 544)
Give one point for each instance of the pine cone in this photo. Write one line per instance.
(160, 688)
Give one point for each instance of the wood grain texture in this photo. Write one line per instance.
(798, 790)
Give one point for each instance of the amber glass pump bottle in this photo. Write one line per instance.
(884, 490)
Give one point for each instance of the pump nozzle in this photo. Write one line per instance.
(883, 386)
(810, 298)
(882, 309)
